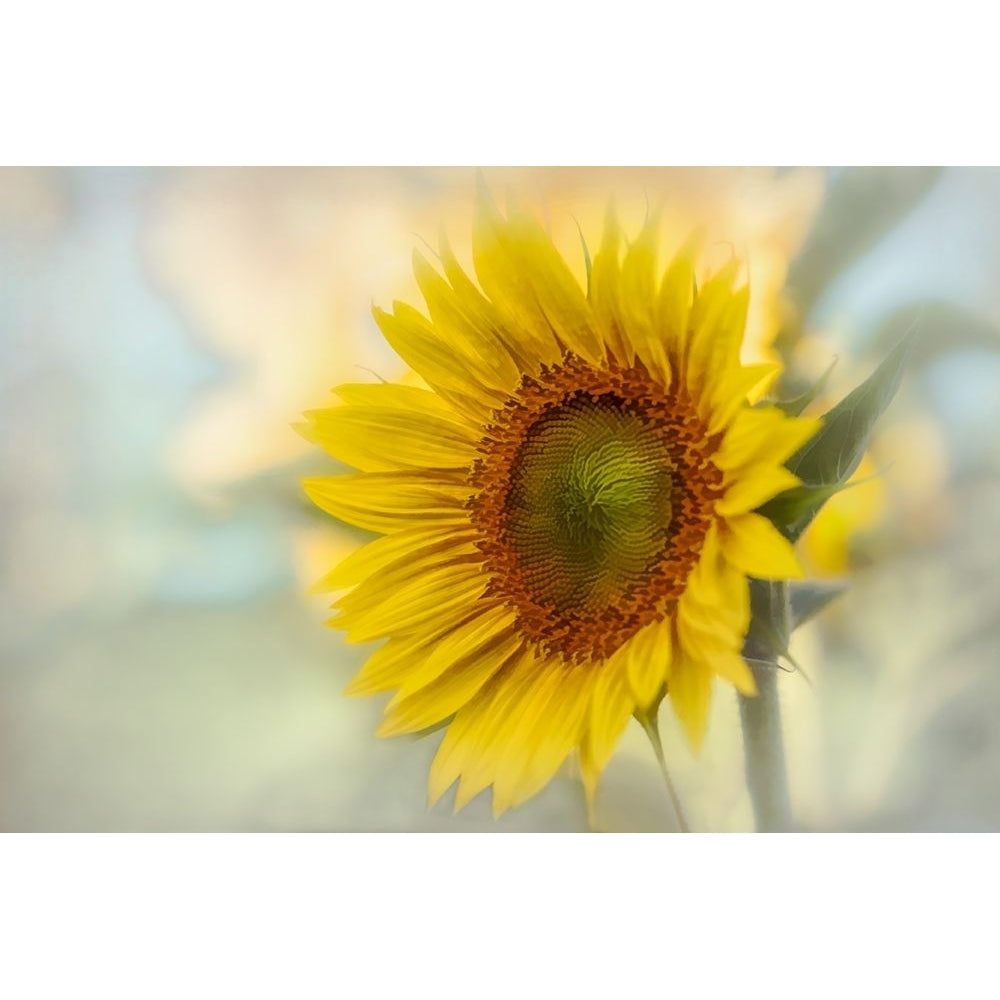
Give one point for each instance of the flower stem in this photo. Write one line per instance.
(649, 723)
(763, 744)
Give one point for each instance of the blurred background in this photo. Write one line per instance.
(163, 665)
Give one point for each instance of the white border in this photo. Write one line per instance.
(522, 82)
(466, 916)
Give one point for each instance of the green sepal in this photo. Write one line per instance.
(828, 460)
(771, 624)
(806, 600)
(799, 504)
(648, 717)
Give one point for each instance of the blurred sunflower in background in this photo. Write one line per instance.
(567, 506)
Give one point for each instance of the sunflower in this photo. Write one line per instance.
(566, 502)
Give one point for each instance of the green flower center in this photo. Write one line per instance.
(589, 505)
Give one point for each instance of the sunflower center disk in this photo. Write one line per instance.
(592, 496)
(589, 504)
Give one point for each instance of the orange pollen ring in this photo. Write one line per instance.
(567, 622)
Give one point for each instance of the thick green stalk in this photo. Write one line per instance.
(763, 744)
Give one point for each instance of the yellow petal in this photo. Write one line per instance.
(416, 341)
(648, 657)
(755, 546)
(637, 304)
(707, 638)
(744, 436)
(747, 492)
(730, 665)
(503, 277)
(388, 666)
(535, 683)
(469, 734)
(713, 615)
(611, 707)
(482, 313)
(393, 662)
(677, 293)
(485, 727)
(452, 690)
(563, 732)
(473, 334)
(716, 594)
(554, 288)
(605, 287)
(423, 600)
(732, 390)
(456, 552)
(387, 550)
(386, 438)
(758, 435)
(690, 695)
(463, 643)
(404, 397)
(549, 721)
(718, 317)
(702, 578)
(390, 501)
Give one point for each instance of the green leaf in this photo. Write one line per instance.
(825, 463)
(806, 600)
(838, 447)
